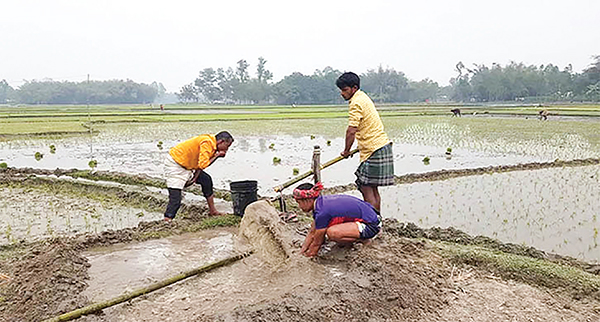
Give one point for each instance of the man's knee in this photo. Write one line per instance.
(205, 180)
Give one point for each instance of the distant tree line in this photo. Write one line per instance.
(519, 82)
(93, 92)
(236, 86)
(513, 82)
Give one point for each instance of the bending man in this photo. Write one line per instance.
(340, 218)
(376, 156)
(186, 163)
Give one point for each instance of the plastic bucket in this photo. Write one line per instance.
(243, 193)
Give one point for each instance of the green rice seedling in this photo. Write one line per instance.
(328, 142)
(426, 160)
(140, 214)
(52, 149)
(272, 146)
(3, 165)
(93, 164)
(295, 171)
(159, 145)
(49, 226)
(312, 137)
(8, 232)
(276, 160)
(38, 156)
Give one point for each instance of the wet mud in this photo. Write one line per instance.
(395, 278)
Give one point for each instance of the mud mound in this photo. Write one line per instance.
(268, 236)
(393, 280)
(46, 281)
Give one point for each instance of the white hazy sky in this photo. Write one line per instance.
(171, 41)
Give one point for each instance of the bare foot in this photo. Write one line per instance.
(215, 213)
(167, 219)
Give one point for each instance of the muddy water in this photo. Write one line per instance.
(118, 269)
(32, 214)
(246, 282)
(250, 158)
(556, 210)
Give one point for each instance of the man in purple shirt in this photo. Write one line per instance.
(340, 218)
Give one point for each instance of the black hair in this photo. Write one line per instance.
(225, 136)
(348, 79)
(305, 186)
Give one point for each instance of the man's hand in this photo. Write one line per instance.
(220, 154)
(346, 154)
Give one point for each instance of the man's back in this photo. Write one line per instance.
(370, 134)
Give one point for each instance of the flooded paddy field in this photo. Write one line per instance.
(475, 142)
(555, 210)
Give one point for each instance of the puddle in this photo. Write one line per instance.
(556, 210)
(118, 269)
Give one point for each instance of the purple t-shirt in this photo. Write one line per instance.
(336, 209)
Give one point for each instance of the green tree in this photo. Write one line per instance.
(385, 85)
(188, 93)
(262, 74)
(6, 92)
(241, 71)
(207, 85)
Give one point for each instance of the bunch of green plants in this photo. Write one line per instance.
(39, 156)
(52, 149)
(276, 160)
(93, 164)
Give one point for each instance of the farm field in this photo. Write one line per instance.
(531, 185)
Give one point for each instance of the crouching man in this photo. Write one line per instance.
(186, 164)
(340, 218)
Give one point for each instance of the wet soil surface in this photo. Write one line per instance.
(393, 279)
(121, 268)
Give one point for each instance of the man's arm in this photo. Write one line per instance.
(350, 136)
(317, 240)
(309, 238)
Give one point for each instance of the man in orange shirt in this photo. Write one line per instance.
(186, 163)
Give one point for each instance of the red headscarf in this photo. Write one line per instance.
(313, 193)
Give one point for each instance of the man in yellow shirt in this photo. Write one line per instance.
(376, 155)
(186, 163)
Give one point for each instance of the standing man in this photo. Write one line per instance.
(376, 156)
(186, 163)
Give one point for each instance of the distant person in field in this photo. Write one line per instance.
(339, 218)
(543, 115)
(162, 108)
(376, 155)
(456, 112)
(186, 164)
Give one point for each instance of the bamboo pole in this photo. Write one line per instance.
(290, 182)
(128, 296)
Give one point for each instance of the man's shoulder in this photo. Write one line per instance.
(361, 98)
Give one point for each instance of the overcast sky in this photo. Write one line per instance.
(171, 41)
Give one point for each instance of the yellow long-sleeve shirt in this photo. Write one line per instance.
(195, 153)
(363, 115)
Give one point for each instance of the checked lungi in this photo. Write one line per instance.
(378, 169)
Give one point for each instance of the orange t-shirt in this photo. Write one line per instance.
(195, 153)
